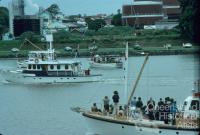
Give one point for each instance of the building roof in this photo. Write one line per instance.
(171, 2)
(147, 3)
(56, 62)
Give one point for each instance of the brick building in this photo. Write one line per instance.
(171, 9)
(148, 12)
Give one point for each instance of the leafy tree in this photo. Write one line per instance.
(79, 15)
(53, 10)
(88, 20)
(117, 19)
(95, 24)
(196, 21)
(74, 17)
(4, 20)
(189, 21)
(30, 36)
(61, 36)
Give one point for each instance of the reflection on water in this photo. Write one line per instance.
(44, 109)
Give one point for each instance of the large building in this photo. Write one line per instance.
(171, 9)
(146, 13)
(142, 13)
(26, 23)
(16, 8)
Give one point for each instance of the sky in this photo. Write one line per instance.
(73, 7)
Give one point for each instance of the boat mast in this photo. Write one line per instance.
(49, 38)
(126, 72)
(138, 78)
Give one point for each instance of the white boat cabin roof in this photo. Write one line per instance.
(39, 52)
(108, 56)
(69, 62)
(192, 103)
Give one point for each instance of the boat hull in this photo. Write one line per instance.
(112, 127)
(18, 77)
(105, 65)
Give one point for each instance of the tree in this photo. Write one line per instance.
(117, 19)
(88, 20)
(4, 20)
(53, 10)
(61, 36)
(95, 24)
(197, 21)
(30, 36)
(189, 20)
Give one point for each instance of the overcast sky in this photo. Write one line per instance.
(69, 7)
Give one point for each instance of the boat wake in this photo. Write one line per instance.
(4, 82)
(89, 133)
(112, 81)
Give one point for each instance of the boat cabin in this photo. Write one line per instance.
(107, 59)
(55, 68)
(191, 107)
(41, 56)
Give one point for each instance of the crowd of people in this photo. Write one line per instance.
(161, 111)
(137, 108)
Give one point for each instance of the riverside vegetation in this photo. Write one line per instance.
(110, 40)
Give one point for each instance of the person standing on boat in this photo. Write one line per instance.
(160, 110)
(133, 103)
(151, 108)
(139, 103)
(106, 101)
(166, 111)
(133, 106)
(115, 98)
(173, 110)
(139, 107)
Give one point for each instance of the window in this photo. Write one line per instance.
(58, 66)
(29, 66)
(34, 66)
(38, 66)
(66, 66)
(194, 105)
(52, 67)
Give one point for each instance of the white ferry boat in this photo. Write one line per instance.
(43, 67)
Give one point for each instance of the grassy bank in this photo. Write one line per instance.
(109, 41)
(118, 51)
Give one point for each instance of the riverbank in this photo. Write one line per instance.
(175, 50)
(108, 41)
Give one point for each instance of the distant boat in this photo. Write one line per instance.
(14, 50)
(187, 45)
(106, 61)
(187, 120)
(43, 67)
